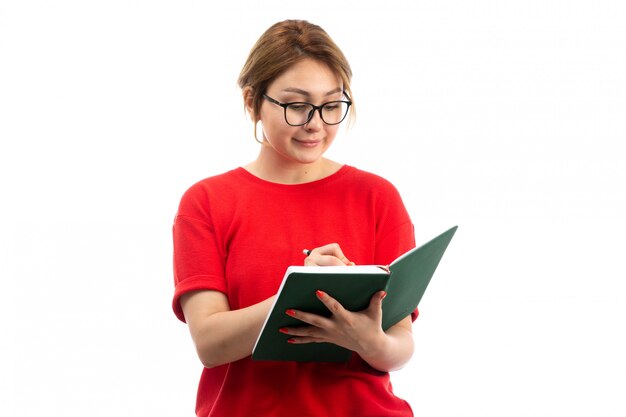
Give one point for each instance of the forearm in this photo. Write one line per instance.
(391, 351)
(228, 336)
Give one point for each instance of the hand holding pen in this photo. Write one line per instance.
(327, 255)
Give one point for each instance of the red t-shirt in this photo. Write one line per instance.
(236, 233)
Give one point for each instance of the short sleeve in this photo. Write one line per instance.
(395, 230)
(198, 257)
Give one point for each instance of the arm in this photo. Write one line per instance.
(222, 335)
(393, 350)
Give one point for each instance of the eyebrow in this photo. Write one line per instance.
(307, 94)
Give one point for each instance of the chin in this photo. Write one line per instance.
(308, 161)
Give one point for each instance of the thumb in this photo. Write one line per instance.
(376, 302)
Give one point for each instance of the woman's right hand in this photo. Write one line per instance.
(327, 255)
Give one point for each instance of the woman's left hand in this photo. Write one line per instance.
(359, 331)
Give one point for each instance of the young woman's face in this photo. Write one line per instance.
(307, 81)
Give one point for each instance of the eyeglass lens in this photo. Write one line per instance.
(300, 113)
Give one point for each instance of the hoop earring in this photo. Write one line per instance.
(255, 133)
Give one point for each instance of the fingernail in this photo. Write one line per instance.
(291, 340)
(382, 297)
(319, 293)
(290, 312)
(283, 330)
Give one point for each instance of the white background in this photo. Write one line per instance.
(504, 117)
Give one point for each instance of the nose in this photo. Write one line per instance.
(315, 123)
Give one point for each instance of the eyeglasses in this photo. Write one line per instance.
(300, 113)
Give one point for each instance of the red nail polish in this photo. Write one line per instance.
(319, 293)
(290, 312)
(291, 341)
(283, 330)
(382, 297)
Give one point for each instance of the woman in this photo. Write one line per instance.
(235, 234)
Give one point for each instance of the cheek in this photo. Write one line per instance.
(331, 131)
(277, 130)
(274, 125)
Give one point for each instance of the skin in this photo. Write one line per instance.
(294, 155)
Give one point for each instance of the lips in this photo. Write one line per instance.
(308, 142)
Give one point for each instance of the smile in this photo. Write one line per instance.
(308, 143)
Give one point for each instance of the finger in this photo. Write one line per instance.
(309, 318)
(376, 303)
(331, 304)
(303, 340)
(304, 334)
(323, 260)
(326, 253)
(310, 332)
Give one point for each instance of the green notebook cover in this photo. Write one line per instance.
(405, 281)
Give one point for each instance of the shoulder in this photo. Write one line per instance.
(380, 194)
(213, 182)
(200, 194)
(369, 181)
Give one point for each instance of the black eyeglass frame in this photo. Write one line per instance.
(318, 108)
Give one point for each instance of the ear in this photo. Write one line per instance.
(248, 96)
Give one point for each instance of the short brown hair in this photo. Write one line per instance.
(283, 45)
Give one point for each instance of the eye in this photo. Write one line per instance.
(299, 107)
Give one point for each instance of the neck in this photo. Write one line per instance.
(291, 173)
